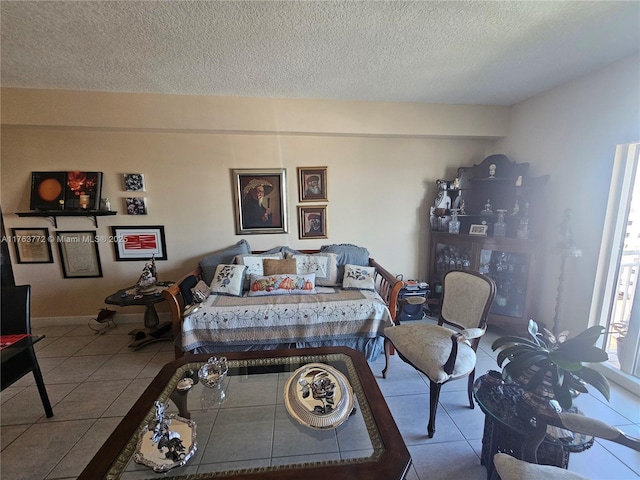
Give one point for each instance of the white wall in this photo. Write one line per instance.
(571, 133)
(383, 160)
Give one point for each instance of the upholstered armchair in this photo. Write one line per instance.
(446, 351)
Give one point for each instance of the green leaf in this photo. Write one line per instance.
(596, 379)
(538, 377)
(502, 341)
(532, 328)
(524, 361)
(590, 335)
(561, 362)
(506, 352)
(563, 395)
(573, 352)
(576, 384)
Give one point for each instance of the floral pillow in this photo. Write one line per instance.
(357, 277)
(285, 284)
(253, 262)
(228, 280)
(324, 265)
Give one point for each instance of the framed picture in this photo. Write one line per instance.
(139, 243)
(47, 190)
(134, 182)
(260, 200)
(79, 254)
(479, 230)
(83, 191)
(312, 184)
(136, 205)
(312, 222)
(33, 245)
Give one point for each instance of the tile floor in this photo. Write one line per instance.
(93, 381)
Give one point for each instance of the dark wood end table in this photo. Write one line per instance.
(153, 330)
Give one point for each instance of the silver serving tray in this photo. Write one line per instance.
(318, 396)
(148, 454)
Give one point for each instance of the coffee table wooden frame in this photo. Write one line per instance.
(393, 463)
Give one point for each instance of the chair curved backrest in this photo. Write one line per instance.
(466, 299)
(15, 309)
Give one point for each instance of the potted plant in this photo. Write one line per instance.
(553, 367)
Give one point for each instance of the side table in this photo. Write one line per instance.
(153, 330)
(510, 419)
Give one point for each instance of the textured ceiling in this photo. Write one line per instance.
(460, 52)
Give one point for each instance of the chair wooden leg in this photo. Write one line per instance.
(472, 377)
(387, 353)
(37, 374)
(434, 397)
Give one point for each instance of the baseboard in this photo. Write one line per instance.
(120, 318)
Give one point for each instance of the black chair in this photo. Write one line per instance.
(20, 358)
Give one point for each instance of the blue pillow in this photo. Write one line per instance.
(347, 254)
(226, 255)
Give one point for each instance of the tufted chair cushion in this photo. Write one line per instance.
(428, 347)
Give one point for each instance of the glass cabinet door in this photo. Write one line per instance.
(509, 270)
(449, 257)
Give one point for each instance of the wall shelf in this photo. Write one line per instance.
(53, 215)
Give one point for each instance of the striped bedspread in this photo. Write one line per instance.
(286, 318)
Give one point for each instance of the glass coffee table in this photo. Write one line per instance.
(244, 430)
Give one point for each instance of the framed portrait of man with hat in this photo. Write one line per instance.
(260, 201)
(312, 184)
(312, 222)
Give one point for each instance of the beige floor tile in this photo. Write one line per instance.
(75, 369)
(76, 460)
(89, 400)
(159, 360)
(9, 433)
(26, 407)
(105, 344)
(64, 347)
(35, 453)
(121, 406)
(122, 366)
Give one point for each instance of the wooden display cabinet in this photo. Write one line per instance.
(510, 260)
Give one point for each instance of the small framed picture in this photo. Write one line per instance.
(33, 245)
(312, 222)
(134, 182)
(312, 184)
(79, 254)
(136, 205)
(139, 243)
(479, 230)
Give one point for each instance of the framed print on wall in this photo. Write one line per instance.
(79, 254)
(312, 222)
(133, 182)
(260, 200)
(136, 205)
(33, 245)
(139, 243)
(312, 184)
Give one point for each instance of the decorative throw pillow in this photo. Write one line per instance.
(276, 267)
(200, 292)
(347, 254)
(324, 265)
(357, 277)
(285, 284)
(226, 255)
(254, 262)
(228, 280)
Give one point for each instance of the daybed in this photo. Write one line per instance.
(254, 319)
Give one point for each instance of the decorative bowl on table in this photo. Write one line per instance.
(213, 372)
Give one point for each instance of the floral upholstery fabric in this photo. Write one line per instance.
(428, 347)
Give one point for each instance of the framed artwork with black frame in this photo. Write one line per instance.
(79, 254)
(139, 243)
(312, 222)
(260, 200)
(312, 184)
(33, 245)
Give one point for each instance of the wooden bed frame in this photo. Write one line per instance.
(387, 286)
